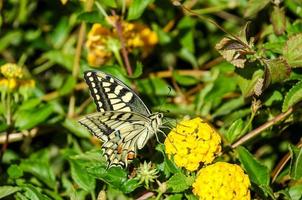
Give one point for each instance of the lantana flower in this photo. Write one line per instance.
(222, 181)
(135, 35)
(193, 142)
(12, 79)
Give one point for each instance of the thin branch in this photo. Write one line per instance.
(15, 137)
(167, 74)
(261, 128)
(119, 30)
(145, 196)
(276, 171)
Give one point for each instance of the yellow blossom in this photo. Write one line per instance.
(135, 35)
(193, 142)
(13, 78)
(11, 70)
(222, 181)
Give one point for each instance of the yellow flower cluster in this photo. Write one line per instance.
(222, 181)
(135, 35)
(13, 78)
(193, 142)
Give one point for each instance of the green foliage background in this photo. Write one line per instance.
(245, 78)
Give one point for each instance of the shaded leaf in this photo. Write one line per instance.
(179, 182)
(248, 83)
(91, 17)
(258, 173)
(81, 177)
(293, 96)
(33, 193)
(68, 85)
(292, 51)
(185, 79)
(137, 8)
(74, 127)
(14, 171)
(296, 162)
(235, 131)
(8, 190)
(155, 86)
(25, 120)
(278, 20)
(229, 106)
(254, 6)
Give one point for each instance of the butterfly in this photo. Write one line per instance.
(123, 122)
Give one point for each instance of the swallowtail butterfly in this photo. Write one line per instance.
(123, 122)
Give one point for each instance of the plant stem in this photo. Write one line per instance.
(261, 128)
(7, 106)
(77, 57)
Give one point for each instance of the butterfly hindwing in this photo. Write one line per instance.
(110, 94)
(122, 134)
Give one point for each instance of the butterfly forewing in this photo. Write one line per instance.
(110, 94)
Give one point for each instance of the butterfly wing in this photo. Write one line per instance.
(122, 134)
(111, 94)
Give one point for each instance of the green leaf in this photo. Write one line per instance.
(278, 20)
(296, 162)
(61, 58)
(258, 173)
(29, 104)
(174, 197)
(130, 185)
(14, 171)
(293, 96)
(185, 80)
(41, 170)
(292, 51)
(273, 97)
(81, 177)
(25, 119)
(278, 70)
(179, 182)
(154, 86)
(295, 192)
(91, 17)
(68, 85)
(248, 80)
(138, 70)
(254, 6)
(9, 38)
(229, 106)
(8, 190)
(235, 131)
(137, 8)
(74, 127)
(33, 193)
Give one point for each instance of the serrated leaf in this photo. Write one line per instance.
(8, 190)
(278, 20)
(235, 131)
(292, 51)
(258, 173)
(254, 6)
(278, 70)
(296, 162)
(293, 96)
(137, 8)
(179, 182)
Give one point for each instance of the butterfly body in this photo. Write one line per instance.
(123, 122)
